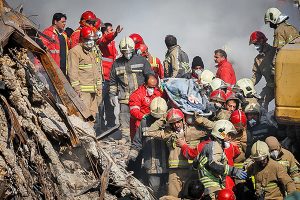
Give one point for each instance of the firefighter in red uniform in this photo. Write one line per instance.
(109, 53)
(88, 18)
(58, 46)
(137, 39)
(139, 102)
(155, 63)
(225, 70)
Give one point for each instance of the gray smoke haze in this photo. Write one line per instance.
(200, 26)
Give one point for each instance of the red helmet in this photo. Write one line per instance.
(87, 16)
(226, 194)
(98, 24)
(88, 33)
(143, 49)
(174, 115)
(257, 37)
(218, 95)
(138, 40)
(238, 119)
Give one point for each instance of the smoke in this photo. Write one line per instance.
(200, 26)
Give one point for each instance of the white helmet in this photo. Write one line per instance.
(206, 77)
(222, 128)
(217, 83)
(247, 86)
(259, 151)
(274, 16)
(253, 108)
(126, 44)
(158, 107)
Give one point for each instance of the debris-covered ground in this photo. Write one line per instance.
(37, 160)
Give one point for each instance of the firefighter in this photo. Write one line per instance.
(283, 32)
(84, 70)
(137, 39)
(263, 66)
(58, 48)
(109, 52)
(269, 175)
(127, 74)
(197, 67)
(285, 158)
(257, 127)
(154, 150)
(88, 18)
(232, 102)
(139, 102)
(176, 63)
(225, 70)
(246, 92)
(155, 63)
(212, 162)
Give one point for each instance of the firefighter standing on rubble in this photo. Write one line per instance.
(127, 74)
(84, 69)
(269, 175)
(285, 158)
(176, 63)
(58, 48)
(283, 32)
(263, 66)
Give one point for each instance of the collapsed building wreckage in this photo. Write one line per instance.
(47, 150)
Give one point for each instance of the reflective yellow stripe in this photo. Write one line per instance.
(239, 165)
(75, 83)
(88, 88)
(253, 181)
(193, 143)
(154, 64)
(207, 182)
(226, 169)
(85, 66)
(178, 163)
(294, 168)
(296, 179)
(271, 186)
(284, 163)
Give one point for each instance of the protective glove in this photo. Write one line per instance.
(239, 173)
(113, 100)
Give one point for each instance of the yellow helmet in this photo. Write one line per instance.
(126, 44)
(206, 77)
(222, 128)
(259, 151)
(247, 86)
(158, 107)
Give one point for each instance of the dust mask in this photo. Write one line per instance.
(252, 122)
(150, 91)
(198, 72)
(89, 44)
(127, 55)
(258, 47)
(274, 154)
(226, 145)
(99, 34)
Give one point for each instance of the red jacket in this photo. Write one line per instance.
(226, 72)
(54, 47)
(156, 66)
(74, 39)
(139, 105)
(109, 52)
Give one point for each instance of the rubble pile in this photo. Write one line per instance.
(37, 160)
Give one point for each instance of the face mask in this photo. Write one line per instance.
(89, 44)
(258, 47)
(127, 55)
(198, 72)
(150, 91)
(99, 34)
(252, 122)
(226, 145)
(274, 154)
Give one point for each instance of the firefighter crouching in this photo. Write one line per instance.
(84, 69)
(269, 175)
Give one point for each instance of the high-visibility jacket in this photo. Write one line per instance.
(109, 53)
(53, 46)
(269, 179)
(139, 105)
(74, 39)
(156, 66)
(84, 70)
